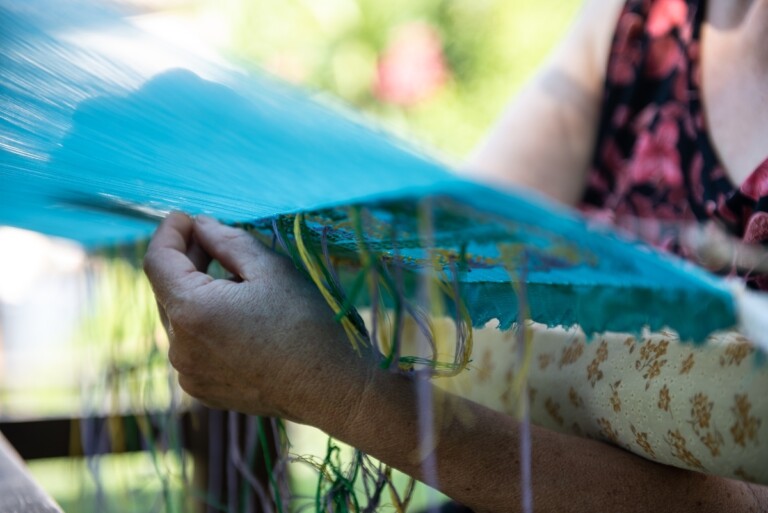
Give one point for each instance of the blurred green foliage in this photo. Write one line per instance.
(488, 49)
(119, 483)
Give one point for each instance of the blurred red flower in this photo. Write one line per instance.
(628, 50)
(664, 57)
(756, 185)
(756, 230)
(666, 15)
(657, 159)
(412, 67)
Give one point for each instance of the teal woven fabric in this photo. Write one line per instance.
(92, 137)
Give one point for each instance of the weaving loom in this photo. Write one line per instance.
(99, 140)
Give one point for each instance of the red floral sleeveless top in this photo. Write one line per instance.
(654, 167)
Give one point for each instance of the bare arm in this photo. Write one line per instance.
(545, 138)
(266, 344)
(478, 460)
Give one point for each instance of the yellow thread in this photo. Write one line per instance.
(400, 505)
(509, 254)
(521, 379)
(436, 287)
(465, 319)
(352, 333)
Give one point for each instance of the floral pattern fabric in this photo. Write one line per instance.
(702, 408)
(655, 169)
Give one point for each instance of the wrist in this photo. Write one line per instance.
(329, 390)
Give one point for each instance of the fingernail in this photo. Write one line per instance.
(202, 218)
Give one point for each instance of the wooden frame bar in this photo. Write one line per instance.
(205, 433)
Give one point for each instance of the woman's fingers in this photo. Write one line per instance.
(235, 249)
(198, 256)
(167, 263)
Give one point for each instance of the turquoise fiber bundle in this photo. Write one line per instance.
(97, 137)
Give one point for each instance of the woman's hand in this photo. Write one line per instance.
(263, 342)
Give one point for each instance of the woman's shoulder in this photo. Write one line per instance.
(545, 138)
(594, 30)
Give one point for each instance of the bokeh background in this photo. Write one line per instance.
(437, 72)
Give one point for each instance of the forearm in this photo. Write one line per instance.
(477, 457)
(231, 353)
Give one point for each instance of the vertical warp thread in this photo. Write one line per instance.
(424, 391)
(215, 458)
(526, 495)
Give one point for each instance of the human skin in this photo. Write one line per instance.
(545, 138)
(265, 343)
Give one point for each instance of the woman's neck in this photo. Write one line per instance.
(738, 14)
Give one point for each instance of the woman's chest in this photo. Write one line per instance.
(734, 87)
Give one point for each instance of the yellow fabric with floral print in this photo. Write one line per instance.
(701, 408)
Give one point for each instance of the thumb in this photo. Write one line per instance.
(236, 250)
